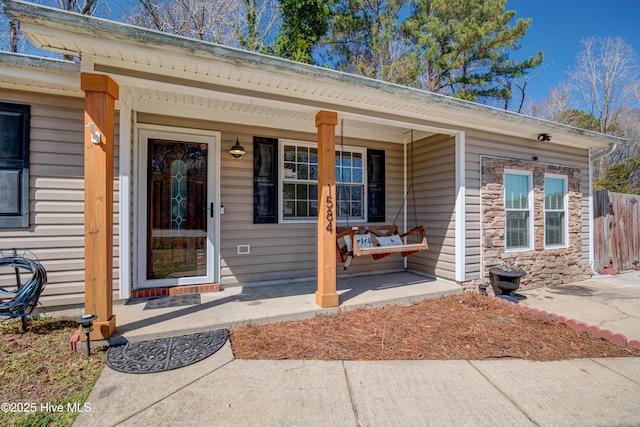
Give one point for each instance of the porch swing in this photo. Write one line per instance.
(379, 241)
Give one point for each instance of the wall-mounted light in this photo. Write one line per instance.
(237, 150)
(95, 135)
(544, 137)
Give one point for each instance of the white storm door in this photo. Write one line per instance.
(178, 214)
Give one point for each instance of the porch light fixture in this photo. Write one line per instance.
(544, 137)
(86, 321)
(237, 150)
(95, 135)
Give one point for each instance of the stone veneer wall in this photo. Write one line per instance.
(543, 267)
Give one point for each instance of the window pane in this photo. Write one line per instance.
(554, 193)
(303, 155)
(516, 191)
(343, 209)
(554, 228)
(343, 192)
(356, 210)
(289, 171)
(302, 208)
(313, 172)
(357, 160)
(288, 208)
(301, 192)
(289, 153)
(313, 208)
(313, 156)
(302, 171)
(289, 192)
(517, 229)
(356, 193)
(357, 175)
(346, 175)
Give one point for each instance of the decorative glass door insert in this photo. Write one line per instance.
(177, 209)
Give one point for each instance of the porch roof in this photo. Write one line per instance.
(160, 69)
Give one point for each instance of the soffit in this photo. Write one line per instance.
(42, 75)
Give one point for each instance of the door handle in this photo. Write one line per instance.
(211, 209)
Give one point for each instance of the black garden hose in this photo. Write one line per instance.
(27, 295)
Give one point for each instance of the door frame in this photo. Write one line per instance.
(140, 216)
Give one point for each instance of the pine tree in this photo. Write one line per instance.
(303, 23)
(462, 47)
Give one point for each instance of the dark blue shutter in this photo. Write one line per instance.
(14, 165)
(375, 186)
(265, 180)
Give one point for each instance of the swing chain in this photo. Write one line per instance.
(329, 206)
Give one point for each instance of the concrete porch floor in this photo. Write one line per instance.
(234, 306)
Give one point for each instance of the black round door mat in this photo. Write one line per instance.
(164, 354)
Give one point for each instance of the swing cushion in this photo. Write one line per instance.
(393, 240)
(363, 241)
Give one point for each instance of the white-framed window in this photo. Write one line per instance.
(518, 203)
(299, 182)
(555, 211)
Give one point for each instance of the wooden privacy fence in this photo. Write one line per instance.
(616, 230)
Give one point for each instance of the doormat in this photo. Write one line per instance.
(173, 301)
(164, 354)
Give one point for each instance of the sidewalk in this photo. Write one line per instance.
(222, 391)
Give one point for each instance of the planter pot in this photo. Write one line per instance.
(505, 280)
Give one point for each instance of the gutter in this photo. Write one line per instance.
(606, 152)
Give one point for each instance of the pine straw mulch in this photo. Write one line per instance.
(461, 327)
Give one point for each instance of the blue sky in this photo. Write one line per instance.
(558, 26)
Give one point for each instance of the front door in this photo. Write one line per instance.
(178, 208)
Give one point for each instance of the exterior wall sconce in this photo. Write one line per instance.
(544, 137)
(237, 150)
(95, 135)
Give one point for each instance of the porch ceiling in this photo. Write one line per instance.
(161, 69)
(163, 97)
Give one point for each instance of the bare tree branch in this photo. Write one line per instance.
(606, 78)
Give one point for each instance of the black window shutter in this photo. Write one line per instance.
(265, 180)
(14, 165)
(375, 183)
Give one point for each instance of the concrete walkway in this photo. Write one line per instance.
(610, 302)
(227, 392)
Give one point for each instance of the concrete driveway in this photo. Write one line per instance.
(610, 302)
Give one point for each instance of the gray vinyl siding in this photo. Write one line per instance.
(435, 193)
(283, 251)
(478, 145)
(56, 231)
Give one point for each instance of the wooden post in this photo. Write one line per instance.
(101, 93)
(326, 295)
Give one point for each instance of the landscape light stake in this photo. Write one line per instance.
(86, 320)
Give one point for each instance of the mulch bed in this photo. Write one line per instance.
(461, 327)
